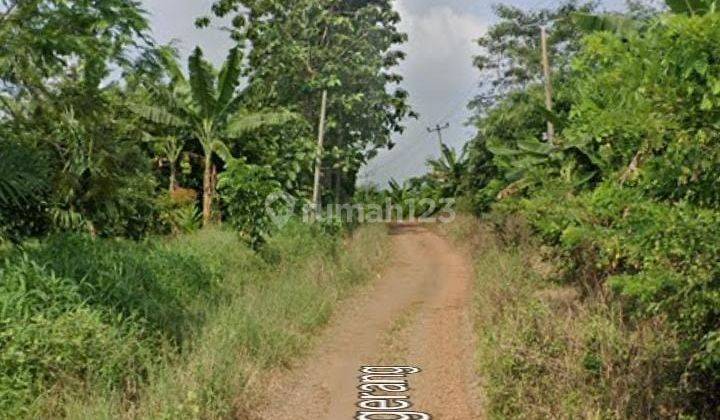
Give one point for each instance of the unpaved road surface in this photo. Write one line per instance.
(416, 314)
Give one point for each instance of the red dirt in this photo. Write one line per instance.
(416, 314)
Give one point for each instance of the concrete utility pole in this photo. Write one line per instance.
(438, 129)
(319, 158)
(548, 82)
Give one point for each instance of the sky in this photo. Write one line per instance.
(438, 71)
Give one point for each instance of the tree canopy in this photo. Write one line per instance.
(299, 48)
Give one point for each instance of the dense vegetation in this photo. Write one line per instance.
(546, 350)
(166, 328)
(114, 153)
(104, 132)
(626, 193)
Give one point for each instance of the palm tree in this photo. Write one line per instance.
(206, 105)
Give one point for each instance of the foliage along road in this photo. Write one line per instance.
(416, 314)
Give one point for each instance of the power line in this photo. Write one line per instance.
(439, 129)
(457, 103)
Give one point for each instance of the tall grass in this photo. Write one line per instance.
(547, 351)
(181, 328)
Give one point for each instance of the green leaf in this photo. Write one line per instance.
(244, 122)
(202, 83)
(707, 104)
(168, 57)
(551, 116)
(690, 6)
(716, 87)
(229, 79)
(158, 116)
(604, 22)
(22, 174)
(222, 151)
(535, 146)
(503, 151)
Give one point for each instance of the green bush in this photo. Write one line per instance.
(78, 312)
(248, 193)
(545, 351)
(660, 259)
(145, 280)
(628, 193)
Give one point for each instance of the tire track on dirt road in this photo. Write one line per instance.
(427, 279)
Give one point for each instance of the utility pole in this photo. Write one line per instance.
(548, 82)
(319, 158)
(438, 129)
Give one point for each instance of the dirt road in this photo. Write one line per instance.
(416, 314)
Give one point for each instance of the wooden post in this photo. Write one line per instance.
(319, 158)
(207, 191)
(548, 82)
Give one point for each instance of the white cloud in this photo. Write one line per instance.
(441, 80)
(174, 20)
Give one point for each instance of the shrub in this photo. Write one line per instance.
(245, 190)
(166, 327)
(660, 259)
(545, 351)
(144, 280)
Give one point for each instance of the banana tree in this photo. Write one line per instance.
(449, 170)
(207, 106)
(169, 148)
(531, 162)
(397, 193)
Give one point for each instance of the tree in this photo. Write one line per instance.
(301, 47)
(510, 111)
(207, 106)
(37, 41)
(449, 170)
(58, 106)
(511, 58)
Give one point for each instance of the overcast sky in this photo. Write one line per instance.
(438, 71)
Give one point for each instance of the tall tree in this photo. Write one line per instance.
(511, 57)
(510, 106)
(301, 47)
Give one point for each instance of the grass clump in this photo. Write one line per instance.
(51, 338)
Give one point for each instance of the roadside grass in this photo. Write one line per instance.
(190, 329)
(546, 350)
